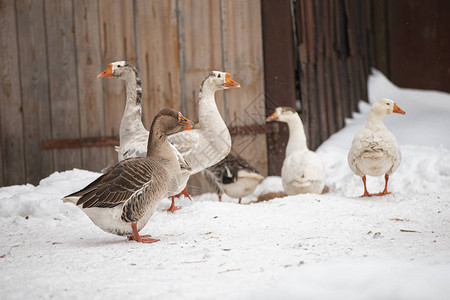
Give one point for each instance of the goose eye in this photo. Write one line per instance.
(218, 76)
(119, 66)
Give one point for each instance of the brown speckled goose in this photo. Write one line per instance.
(123, 200)
(133, 135)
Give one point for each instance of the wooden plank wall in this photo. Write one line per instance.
(411, 42)
(13, 153)
(52, 51)
(280, 80)
(334, 62)
(317, 56)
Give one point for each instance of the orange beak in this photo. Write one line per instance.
(182, 120)
(107, 73)
(230, 83)
(188, 127)
(398, 110)
(272, 117)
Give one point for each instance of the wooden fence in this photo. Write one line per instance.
(51, 52)
(313, 54)
(325, 67)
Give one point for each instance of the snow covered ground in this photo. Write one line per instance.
(331, 246)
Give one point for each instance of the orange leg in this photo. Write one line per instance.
(220, 198)
(173, 207)
(385, 192)
(366, 193)
(240, 200)
(185, 193)
(140, 238)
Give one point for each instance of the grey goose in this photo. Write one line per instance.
(122, 200)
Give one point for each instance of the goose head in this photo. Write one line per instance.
(118, 69)
(170, 121)
(384, 107)
(217, 80)
(282, 114)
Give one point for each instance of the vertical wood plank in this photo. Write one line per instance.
(330, 97)
(200, 35)
(2, 183)
(92, 121)
(337, 96)
(279, 73)
(243, 59)
(63, 80)
(321, 100)
(380, 45)
(304, 74)
(320, 81)
(14, 169)
(118, 43)
(419, 43)
(35, 88)
(313, 116)
(157, 30)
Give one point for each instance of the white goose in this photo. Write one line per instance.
(133, 135)
(209, 141)
(374, 149)
(122, 200)
(303, 170)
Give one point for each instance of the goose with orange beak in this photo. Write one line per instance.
(122, 200)
(209, 141)
(374, 149)
(303, 170)
(133, 135)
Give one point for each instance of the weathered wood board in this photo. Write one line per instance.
(34, 88)
(90, 92)
(11, 112)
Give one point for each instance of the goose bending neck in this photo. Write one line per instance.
(157, 139)
(209, 115)
(207, 103)
(297, 137)
(213, 128)
(375, 120)
(132, 117)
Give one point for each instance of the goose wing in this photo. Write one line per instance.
(232, 162)
(213, 179)
(361, 142)
(136, 147)
(367, 141)
(121, 183)
(186, 141)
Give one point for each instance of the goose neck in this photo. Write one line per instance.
(375, 120)
(132, 116)
(156, 139)
(207, 105)
(133, 88)
(212, 125)
(297, 137)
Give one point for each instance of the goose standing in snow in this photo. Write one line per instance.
(209, 141)
(374, 149)
(233, 176)
(303, 170)
(122, 200)
(133, 135)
